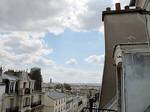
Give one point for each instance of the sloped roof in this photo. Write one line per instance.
(13, 75)
(56, 95)
(10, 77)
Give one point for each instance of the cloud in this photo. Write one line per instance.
(95, 59)
(72, 61)
(23, 48)
(51, 15)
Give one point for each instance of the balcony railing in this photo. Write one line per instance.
(26, 106)
(86, 109)
(24, 91)
(35, 104)
(13, 109)
(27, 91)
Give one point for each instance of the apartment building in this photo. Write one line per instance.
(126, 25)
(82, 102)
(69, 103)
(54, 102)
(19, 95)
(127, 56)
(72, 103)
(2, 91)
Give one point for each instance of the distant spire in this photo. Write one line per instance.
(50, 80)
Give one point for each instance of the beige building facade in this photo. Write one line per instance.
(19, 95)
(127, 40)
(54, 102)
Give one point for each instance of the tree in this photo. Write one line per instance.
(67, 86)
(58, 86)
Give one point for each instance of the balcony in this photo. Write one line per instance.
(25, 106)
(86, 109)
(93, 107)
(13, 109)
(35, 104)
(24, 91)
(27, 91)
(79, 103)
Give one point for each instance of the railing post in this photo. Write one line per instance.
(91, 104)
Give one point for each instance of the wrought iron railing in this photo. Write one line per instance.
(35, 104)
(13, 109)
(87, 109)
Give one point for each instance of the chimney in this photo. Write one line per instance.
(118, 7)
(108, 9)
(126, 7)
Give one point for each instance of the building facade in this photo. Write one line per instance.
(127, 40)
(19, 95)
(54, 102)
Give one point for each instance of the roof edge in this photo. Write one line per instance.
(113, 12)
(132, 2)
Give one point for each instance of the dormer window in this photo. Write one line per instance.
(24, 85)
(11, 87)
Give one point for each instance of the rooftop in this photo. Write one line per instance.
(56, 95)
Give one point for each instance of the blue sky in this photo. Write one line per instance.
(78, 45)
(65, 38)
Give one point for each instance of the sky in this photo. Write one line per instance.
(65, 38)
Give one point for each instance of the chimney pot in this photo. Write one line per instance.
(127, 8)
(108, 9)
(118, 7)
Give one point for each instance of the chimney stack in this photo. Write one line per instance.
(108, 9)
(118, 7)
(126, 7)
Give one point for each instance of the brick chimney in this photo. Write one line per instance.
(117, 6)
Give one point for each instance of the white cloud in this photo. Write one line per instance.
(51, 15)
(23, 48)
(95, 59)
(72, 61)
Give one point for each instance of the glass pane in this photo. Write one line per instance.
(137, 74)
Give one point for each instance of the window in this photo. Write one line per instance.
(61, 108)
(40, 97)
(26, 101)
(11, 102)
(11, 86)
(56, 102)
(137, 82)
(24, 85)
(29, 84)
(32, 98)
(148, 7)
(56, 110)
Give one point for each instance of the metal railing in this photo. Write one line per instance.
(87, 109)
(93, 107)
(13, 109)
(35, 104)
